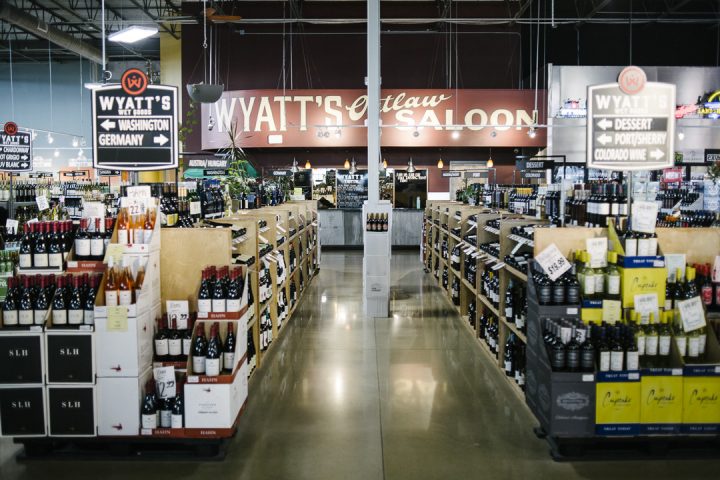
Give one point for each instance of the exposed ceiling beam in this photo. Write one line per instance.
(156, 19)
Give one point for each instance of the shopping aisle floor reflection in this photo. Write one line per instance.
(344, 397)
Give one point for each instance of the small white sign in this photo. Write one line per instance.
(141, 191)
(179, 311)
(135, 205)
(553, 263)
(692, 314)
(93, 210)
(673, 261)
(645, 304)
(195, 208)
(165, 385)
(42, 202)
(597, 249)
(644, 216)
(11, 225)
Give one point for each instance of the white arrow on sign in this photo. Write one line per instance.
(24, 157)
(107, 125)
(161, 140)
(24, 165)
(604, 124)
(604, 139)
(657, 154)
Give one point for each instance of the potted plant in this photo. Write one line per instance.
(237, 182)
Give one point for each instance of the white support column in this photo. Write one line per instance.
(373, 93)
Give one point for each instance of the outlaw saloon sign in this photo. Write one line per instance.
(416, 118)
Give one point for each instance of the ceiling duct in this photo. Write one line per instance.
(39, 28)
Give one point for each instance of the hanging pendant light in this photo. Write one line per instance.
(353, 167)
(294, 168)
(346, 164)
(385, 164)
(490, 163)
(307, 164)
(440, 163)
(411, 167)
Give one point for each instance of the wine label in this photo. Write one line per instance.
(508, 366)
(111, 298)
(89, 317)
(702, 341)
(693, 346)
(25, 260)
(641, 344)
(521, 379)
(229, 360)
(616, 361)
(97, 247)
(643, 249)
(668, 304)
(122, 237)
(147, 236)
(204, 306)
(149, 421)
(125, 297)
(604, 361)
(198, 365)
(664, 345)
(161, 348)
(218, 305)
(652, 246)
(41, 260)
(682, 344)
(10, 317)
(613, 285)
(651, 345)
(186, 345)
(55, 259)
(633, 361)
(508, 312)
(212, 367)
(176, 421)
(599, 283)
(40, 317)
(233, 305)
(59, 317)
(175, 347)
(82, 247)
(589, 285)
(26, 317)
(631, 247)
(138, 235)
(165, 418)
(76, 317)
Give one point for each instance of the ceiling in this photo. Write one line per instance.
(78, 22)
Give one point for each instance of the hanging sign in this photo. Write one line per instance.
(135, 124)
(631, 123)
(218, 172)
(281, 173)
(532, 174)
(15, 149)
(452, 174)
(484, 174)
(103, 172)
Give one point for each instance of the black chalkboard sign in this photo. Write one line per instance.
(410, 189)
(352, 189)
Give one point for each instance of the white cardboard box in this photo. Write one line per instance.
(124, 353)
(118, 404)
(376, 286)
(376, 265)
(209, 405)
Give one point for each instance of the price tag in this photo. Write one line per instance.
(117, 319)
(692, 314)
(498, 266)
(597, 249)
(262, 239)
(11, 225)
(645, 304)
(114, 251)
(612, 311)
(673, 261)
(553, 262)
(179, 311)
(42, 202)
(141, 191)
(93, 210)
(280, 228)
(195, 208)
(644, 216)
(135, 206)
(165, 384)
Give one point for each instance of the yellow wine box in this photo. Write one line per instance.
(661, 409)
(701, 391)
(636, 281)
(617, 404)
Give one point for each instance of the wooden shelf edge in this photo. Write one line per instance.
(489, 305)
(516, 273)
(513, 328)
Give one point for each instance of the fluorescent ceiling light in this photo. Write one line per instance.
(132, 34)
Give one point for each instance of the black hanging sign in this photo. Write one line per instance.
(135, 124)
(103, 172)
(282, 173)
(16, 150)
(452, 174)
(219, 172)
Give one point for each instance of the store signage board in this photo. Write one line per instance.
(532, 174)
(214, 172)
(135, 124)
(16, 152)
(631, 123)
(712, 155)
(207, 163)
(483, 174)
(103, 172)
(452, 174)
(416, 176)
(282, 173)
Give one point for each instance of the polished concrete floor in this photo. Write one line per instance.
(346, 397)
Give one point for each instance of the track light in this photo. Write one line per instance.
(489, 163)
(50, 138)
(411, 167)
(455, 135)
(353, 167)
(294, 168)
(307, 164)
(416, 133)
(75, 142)
(440, 163)
(346, 164)
(56, 153)
(385, 164)
(532, 133)
(133, 33)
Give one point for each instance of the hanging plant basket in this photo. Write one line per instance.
(205, 92)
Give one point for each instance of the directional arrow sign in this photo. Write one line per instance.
(16, 151)
(631, 131)
(136, 130)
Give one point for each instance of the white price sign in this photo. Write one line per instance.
(42, 202)
(93, 210)
(597, 249)
(195, 208)
(179, 311)
(165, 384)
(11, 225)
(135, 205)
(716, 270)
(673, 261)
(644, 216)
(645, 304)
(553, 262)
(141, 191)
(692, 314)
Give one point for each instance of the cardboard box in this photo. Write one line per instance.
(70, 356)
(118, 404)
(636, 281)
(72, 410)
(617, 403)
(145, 298)
(22, 356)
(23, 411)
(215, 405)
(701, 391)
(661, 408)
(124, 352)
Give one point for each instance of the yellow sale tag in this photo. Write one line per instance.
(117, 319)
(114, 251)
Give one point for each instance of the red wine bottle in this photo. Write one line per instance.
(174, 342)
(42, 302)
(162, 346)
(178, 408)
(89, 304)
(59, 314)
(204, 300)
(55, 247)
(199, 351)
(234, 292)
(219, 298)
(212, 357)
(229, 350)
(25, 304)
(10, 307)
(97, 242)
(40, 250)
(25, 259)
(148, 410)
(76, 308)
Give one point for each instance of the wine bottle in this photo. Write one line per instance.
(25, 304)
(218, 294)
(55, 247)
(204, 300)
(178, 408)
(186, 343)
(82, 241)
(111, 285)
(123, 227)
(199, 350)
(26, 247)
(97, 242)
(42, 302)
(40, 250)
(166, 405)
(76, 310)
(175, 342)
(10, 310)
(89, 304)
(212, 357)
(229, 350)
(59, 312)
(125, 285)
(148, 411)
(234, 291)
(162, 346)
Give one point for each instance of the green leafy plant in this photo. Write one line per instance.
(191, 119)
(237, 180)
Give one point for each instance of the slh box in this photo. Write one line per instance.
(22, 411)
(72, 410)
(70, 356)
(216, 405)
(118, 404)
(124, 352)
(22, 357)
